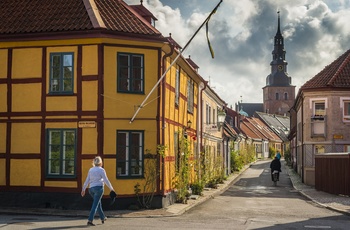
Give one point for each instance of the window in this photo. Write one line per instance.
(190, 96)
(319, 108)
(129, 153)
(177, 151)
(345, 104)
(285, 96)
(177, 87)
(208, 114)
(61, 73)
(130, 73)
(277, 96)
(347, 148)
(214, 117)
(61, 153)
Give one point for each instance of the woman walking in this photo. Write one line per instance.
(96, 178)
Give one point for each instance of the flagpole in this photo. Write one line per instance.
(166, 71)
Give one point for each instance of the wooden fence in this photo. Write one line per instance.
(332, 173)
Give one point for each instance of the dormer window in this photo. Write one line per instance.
(153, 22)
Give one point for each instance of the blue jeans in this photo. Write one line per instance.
(96, 194)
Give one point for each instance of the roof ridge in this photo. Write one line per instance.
(94, 14)
(341, 67)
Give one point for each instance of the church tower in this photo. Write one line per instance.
(278, 94)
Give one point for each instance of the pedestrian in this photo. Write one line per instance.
(278, 155)
(96, 178)
(275, 165)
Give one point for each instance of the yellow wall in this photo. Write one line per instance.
(61, 103)
(26, 63)
(90, 95)
(3, 97)
(2, 172)
(3, 63)
(178, 115)
(3, 137)
(25, 138)
(26, 97)
(25, 172)
(89, 141)
(90, 60)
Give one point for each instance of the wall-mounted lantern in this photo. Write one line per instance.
(189, 123)
(221, 118)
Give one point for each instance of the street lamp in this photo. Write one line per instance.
(221, 118)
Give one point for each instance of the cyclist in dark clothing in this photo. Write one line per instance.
(275, 165)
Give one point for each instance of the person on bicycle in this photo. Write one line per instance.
(275, 165)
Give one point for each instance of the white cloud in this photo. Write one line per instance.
(241, 33)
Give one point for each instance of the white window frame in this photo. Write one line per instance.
(346, 118)
(313, 101)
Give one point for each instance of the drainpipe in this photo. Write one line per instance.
(302, 141)
(202, 87)
(162, 190)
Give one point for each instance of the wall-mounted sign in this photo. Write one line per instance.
(87, 124)
(211, 128)
(337, 136)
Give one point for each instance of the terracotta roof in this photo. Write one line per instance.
(337, 74)
(249, 130)
(35, 16)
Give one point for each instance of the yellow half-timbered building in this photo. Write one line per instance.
(73, 73)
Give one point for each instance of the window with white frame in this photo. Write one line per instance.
(130, 153)
(61, 153)
(347, 148)
(319, 108)
(345, 105)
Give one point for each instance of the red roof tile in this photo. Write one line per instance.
(337, 74)
(35, 16)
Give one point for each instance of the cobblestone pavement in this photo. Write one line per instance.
(330, 201)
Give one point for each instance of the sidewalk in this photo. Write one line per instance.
(337, 203)
(333, 202)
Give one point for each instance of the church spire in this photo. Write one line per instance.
(278, 26)
(279, 75)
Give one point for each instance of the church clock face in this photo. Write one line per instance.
(280, 67)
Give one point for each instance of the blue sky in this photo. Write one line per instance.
(315, 32)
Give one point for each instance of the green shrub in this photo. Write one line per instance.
(197, 188)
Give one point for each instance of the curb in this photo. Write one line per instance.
(313, 199)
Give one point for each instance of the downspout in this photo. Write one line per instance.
(202, 86)
(162, 190)
(302, 141)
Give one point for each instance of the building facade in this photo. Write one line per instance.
(320, 117)
(71, 81)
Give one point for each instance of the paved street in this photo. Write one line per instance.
(250, 202)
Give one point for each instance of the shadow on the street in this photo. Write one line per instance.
(256, 182)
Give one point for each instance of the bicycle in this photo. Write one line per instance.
(275, 177)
